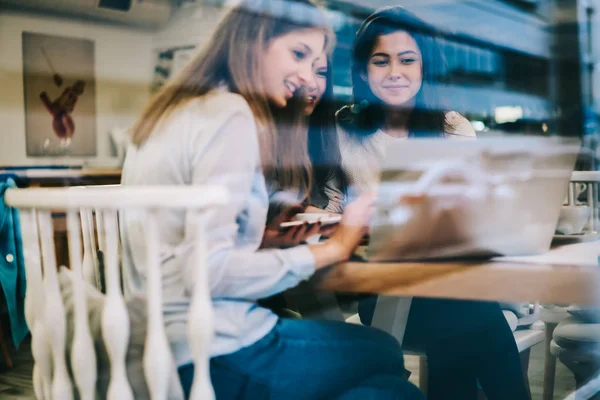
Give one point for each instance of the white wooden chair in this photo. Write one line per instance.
(43, 303)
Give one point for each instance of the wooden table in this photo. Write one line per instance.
(566, 275)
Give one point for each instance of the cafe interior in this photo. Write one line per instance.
(509, 220)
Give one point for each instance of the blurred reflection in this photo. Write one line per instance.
(326, 119)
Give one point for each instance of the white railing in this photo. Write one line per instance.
(44, 309)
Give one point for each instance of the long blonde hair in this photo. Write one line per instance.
(232, 57)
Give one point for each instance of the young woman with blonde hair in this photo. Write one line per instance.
(214, 124)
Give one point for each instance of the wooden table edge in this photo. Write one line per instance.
(495, 281)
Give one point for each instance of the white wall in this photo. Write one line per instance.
(124, 65)
(190, 25)
(188, 29)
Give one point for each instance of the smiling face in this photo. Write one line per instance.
(317, 87)
(288, 63)
(395, 70)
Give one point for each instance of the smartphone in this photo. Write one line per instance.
(327, 221)
(284, 226)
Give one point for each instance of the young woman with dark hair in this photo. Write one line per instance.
(396, 67)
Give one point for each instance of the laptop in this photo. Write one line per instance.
(444, 199)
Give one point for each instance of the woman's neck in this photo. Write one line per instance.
(396, 122)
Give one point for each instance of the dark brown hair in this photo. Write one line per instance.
(366, 115)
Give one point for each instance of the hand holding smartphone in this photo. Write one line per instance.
(311, 219)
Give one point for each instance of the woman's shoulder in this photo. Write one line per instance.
(220, 103)
(217, 113)
(458, 125)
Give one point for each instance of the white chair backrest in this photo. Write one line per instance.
(91, 267)
(94, 241)
(44, 309)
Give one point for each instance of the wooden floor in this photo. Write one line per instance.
(16, 384)
(564, 383)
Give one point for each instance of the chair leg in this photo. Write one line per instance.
(525, 367)
(423, 374)
(549, 365)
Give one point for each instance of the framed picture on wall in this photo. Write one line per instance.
(59, 85)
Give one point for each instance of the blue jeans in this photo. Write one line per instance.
(465, 342)
(302, 359)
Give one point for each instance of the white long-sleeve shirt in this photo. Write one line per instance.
(362, 159)
(211, 140)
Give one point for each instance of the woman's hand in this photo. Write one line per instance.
(274, 237)
(352, 228)
(326, 230)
